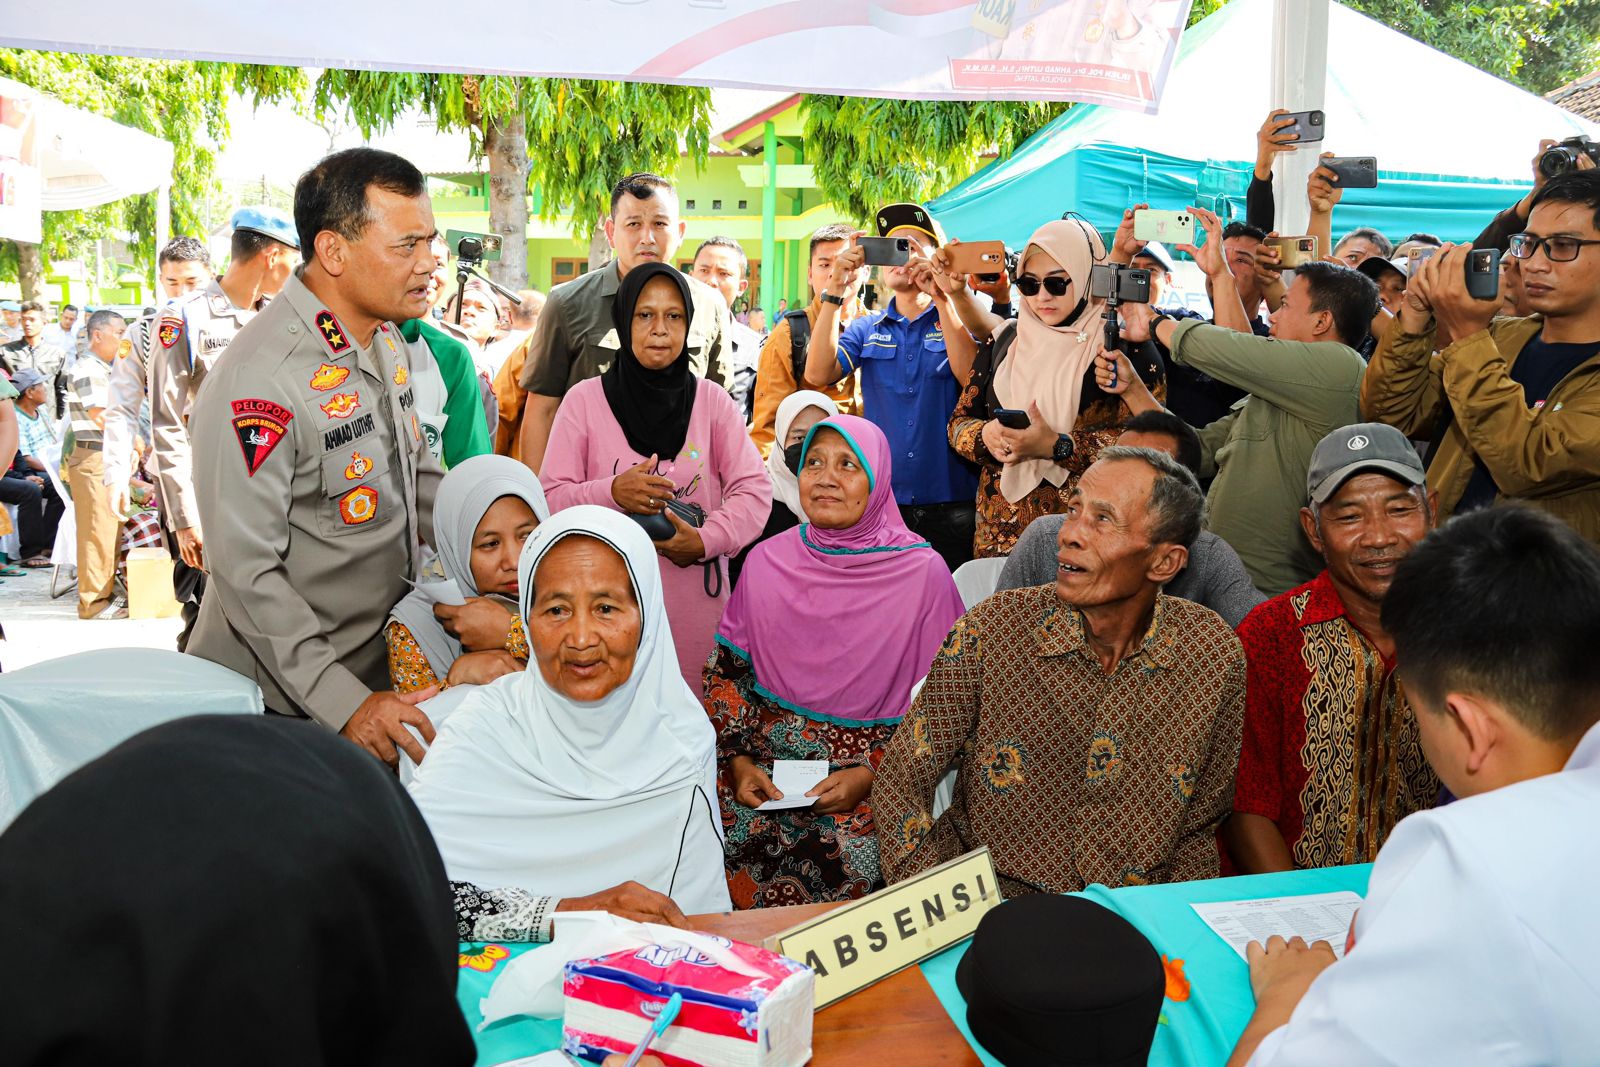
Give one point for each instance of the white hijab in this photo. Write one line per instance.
(466, 493)
(785, 484)
(527, 787)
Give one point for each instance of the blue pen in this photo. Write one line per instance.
(657, 1028)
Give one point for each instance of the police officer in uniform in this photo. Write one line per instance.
(191, 334)
(314, 484)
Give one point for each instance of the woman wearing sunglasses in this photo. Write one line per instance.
(1033, 417)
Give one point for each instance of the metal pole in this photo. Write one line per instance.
(771, 272)
(1299, 83)
(163, 230)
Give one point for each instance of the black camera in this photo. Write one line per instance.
(1562, 158)
(1116, 284)
(473, 248)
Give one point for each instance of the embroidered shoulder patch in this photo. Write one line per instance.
(328, 376)
(341, 405)
(260, 425)
(359, 467)
(168, 332)
(332, 333)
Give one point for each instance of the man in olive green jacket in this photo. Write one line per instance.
(1521, 395)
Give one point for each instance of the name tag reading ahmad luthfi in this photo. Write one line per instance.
(852, 947)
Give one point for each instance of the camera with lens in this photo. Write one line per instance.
(1116, 284)
(474, 248)
(1562, 158)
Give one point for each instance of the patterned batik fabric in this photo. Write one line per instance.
(409, 669)
(775, 858)
(1099, 424)
(505, 914)
(1330, 753)
(1070, 775)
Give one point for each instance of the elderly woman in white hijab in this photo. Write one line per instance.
(797, 413)
(465, 630)
(1039, 373)
(586, 781)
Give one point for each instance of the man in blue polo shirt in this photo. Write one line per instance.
(914, 357)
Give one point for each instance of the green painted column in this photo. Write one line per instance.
(797, 273)
(771, 286)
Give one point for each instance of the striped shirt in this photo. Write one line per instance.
(90, 388)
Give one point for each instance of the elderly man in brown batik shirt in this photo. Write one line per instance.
(1093, 723)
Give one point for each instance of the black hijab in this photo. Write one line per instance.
(651, 406)
(229, 889)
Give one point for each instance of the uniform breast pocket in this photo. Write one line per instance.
(359, 492)
(597, 359)
(937, 358)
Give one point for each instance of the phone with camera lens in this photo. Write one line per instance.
(1117, 284)
(977, 257)
(1293, 251)
(1354, 172)
(1012, 418)
(1483, 273)
(886, 251)
(1169, 227)
(474, 247)
(1309, 125)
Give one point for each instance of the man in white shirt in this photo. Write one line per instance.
(720, 262)
(1477, 940)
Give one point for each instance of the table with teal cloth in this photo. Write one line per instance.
(1209, 999)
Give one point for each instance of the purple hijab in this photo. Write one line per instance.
(840, 624)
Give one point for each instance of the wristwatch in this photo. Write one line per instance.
(1063, 450)
(829, 298)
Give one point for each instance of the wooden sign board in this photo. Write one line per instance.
(852, 947)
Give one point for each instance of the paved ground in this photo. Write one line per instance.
(38, 627)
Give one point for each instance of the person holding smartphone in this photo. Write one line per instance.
(1033, 416)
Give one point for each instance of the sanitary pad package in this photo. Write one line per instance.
(743, 1007)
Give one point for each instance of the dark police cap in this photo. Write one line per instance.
(1052, 981)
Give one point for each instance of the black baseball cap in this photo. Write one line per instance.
(893, 217)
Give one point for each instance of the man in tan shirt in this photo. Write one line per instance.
(775, 374)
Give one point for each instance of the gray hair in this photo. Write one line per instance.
(1383, 244)
(1177, 506)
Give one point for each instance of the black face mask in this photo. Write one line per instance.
(792, 457)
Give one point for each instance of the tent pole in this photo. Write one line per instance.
(1299, 83)
(163, 228)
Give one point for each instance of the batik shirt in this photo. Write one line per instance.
(1330, 751)
(1070, 775)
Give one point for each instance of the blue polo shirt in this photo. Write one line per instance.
(908, 390)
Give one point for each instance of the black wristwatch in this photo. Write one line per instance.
(829, 298)
(1063, 450)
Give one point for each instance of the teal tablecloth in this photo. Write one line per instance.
(1199, 1031)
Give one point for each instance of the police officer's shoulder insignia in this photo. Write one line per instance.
(328, 376)
(331, 332)
(171, 326)
(359, 506)
(260, 425)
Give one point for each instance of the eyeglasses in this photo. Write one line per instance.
(1559, 249)
(1055, 285)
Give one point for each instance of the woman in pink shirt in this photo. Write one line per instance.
(647, 433)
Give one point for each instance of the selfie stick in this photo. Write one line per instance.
(1113, 331)
(462, 270)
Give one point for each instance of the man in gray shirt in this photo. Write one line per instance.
(1215, 577)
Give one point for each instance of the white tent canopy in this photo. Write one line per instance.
(88, 160)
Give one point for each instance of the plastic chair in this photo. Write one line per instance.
(58, 715)
(976, 579)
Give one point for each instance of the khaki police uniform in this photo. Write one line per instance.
(191, 333)
(314, 487)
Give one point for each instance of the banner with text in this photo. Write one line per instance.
(21, 182)
(1114, 52)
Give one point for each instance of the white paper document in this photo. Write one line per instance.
(1318, 917)
(445, 592)
(794, 777)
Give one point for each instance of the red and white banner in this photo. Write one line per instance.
(21, 182)
(1113, 52)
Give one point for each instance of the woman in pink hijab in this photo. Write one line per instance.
(829, 628)
(1043, 364)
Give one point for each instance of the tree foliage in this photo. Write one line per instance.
(868, 152)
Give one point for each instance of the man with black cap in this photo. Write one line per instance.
(914, 356)
(191, 334)
(1330, 760)
(1476, 942)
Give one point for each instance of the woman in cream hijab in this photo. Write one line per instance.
(589, 776)
(1043, 363)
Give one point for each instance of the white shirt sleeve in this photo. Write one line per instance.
(1443, 969)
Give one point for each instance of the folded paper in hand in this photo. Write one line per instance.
(794, 778)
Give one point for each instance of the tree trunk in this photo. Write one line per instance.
(30, 270)
(599, 248)
(506, 146)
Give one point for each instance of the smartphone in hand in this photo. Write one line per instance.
(886, 251)
(1012, 418)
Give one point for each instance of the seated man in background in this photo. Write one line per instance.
(1330, 762)
(1521, 394)
(1213, 577)
(1476, 941)
(1094, 724)
(1303, 383)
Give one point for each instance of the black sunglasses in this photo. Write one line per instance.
(1055, 285)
